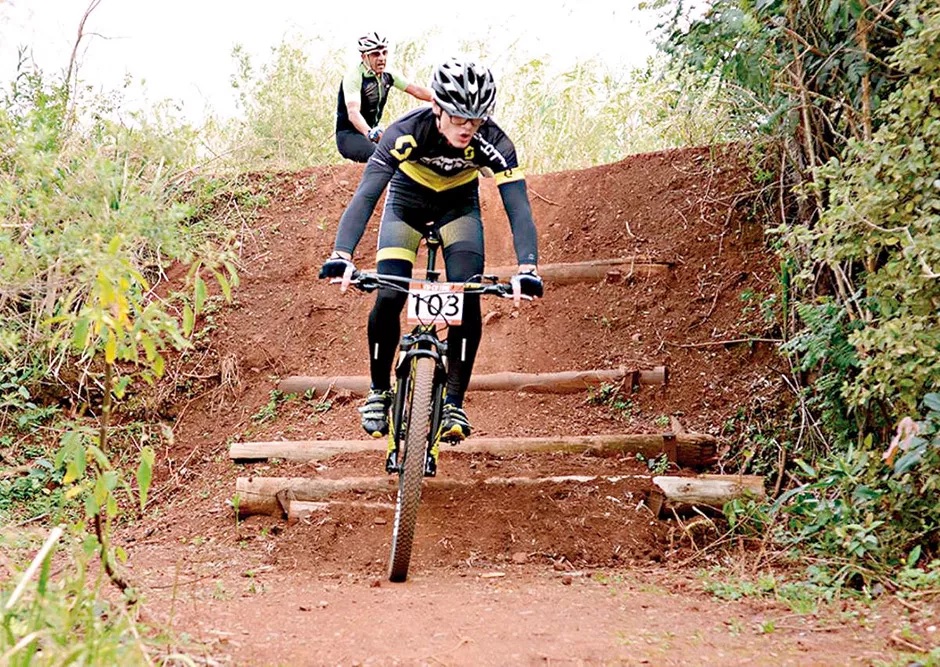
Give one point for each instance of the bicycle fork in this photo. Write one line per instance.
(423, 342)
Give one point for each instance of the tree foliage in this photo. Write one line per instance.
(850, 90)
(90, 215)
(827, 79)
(884, 216)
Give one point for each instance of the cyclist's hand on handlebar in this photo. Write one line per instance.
(337, 266)
(529, 282)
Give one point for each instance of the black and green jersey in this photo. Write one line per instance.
(416, 158)
(372, 92)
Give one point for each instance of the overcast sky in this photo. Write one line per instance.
(182, 48)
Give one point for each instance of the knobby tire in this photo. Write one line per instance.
(410, 478)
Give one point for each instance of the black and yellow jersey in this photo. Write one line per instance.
(414, 145)
(371, 91)
(419, 161)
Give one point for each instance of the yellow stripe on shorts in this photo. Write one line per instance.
(396, 253)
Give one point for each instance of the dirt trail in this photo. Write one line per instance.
(576, 573)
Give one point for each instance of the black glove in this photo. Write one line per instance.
(335, 266)
(530, 283)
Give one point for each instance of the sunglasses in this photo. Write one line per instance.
(460, 121)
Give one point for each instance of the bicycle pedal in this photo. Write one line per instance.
(391, 463)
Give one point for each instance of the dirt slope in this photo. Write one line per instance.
(293, 589)
(672, 206)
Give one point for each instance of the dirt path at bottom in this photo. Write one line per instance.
(519, 615)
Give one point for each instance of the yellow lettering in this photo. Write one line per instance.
(468, 152)
(509, 175)
(403, 147)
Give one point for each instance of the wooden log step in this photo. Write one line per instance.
(683, 495)
(688, 450)
(274, 495)
(300, 510)
(564, 382)
(612, 270)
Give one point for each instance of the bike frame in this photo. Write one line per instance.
(420, 382)
(423, 341)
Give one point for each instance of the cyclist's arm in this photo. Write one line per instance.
(419, 92)
(352, 91)
(500, 157)
(515, 196)
(403, 84)
(357, 214)
(356, 117)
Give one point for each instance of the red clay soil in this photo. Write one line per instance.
(576, 573)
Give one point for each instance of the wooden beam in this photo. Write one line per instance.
(564, 382)
(614, 270)
(300, 510)
(594, 270)
(684, 494)
(275, 495)
(691, 450)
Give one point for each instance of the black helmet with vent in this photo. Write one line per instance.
(464, 89)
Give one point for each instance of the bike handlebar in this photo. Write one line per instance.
(369, 282)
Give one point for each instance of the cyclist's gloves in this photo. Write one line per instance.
(375, 134)
(530, 283)
(335, 266)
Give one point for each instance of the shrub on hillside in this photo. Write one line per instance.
(870, 513)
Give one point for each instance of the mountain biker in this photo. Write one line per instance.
(430, 159)
(362, 97)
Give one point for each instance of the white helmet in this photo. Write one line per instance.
(372, 42)
(464, 89)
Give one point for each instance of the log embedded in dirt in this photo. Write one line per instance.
(599, 269)
(299, 510)
(689, 450)
(590, 271)
(276, 495)
(684, 494)
(564, 382)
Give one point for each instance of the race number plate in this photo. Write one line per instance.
(435, 303)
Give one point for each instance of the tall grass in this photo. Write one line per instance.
(58, 615)
(559, 119)
(93, 209)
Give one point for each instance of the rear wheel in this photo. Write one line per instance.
(411, 457)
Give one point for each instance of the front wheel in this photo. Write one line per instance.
(411, 457)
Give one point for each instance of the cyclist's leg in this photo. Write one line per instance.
(354, 146)
(397, 246)
(462, 237)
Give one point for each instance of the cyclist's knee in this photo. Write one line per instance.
(389, 302)
(464, 264)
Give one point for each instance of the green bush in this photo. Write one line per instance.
(870, 513)
(91, 211)
(884, 219)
